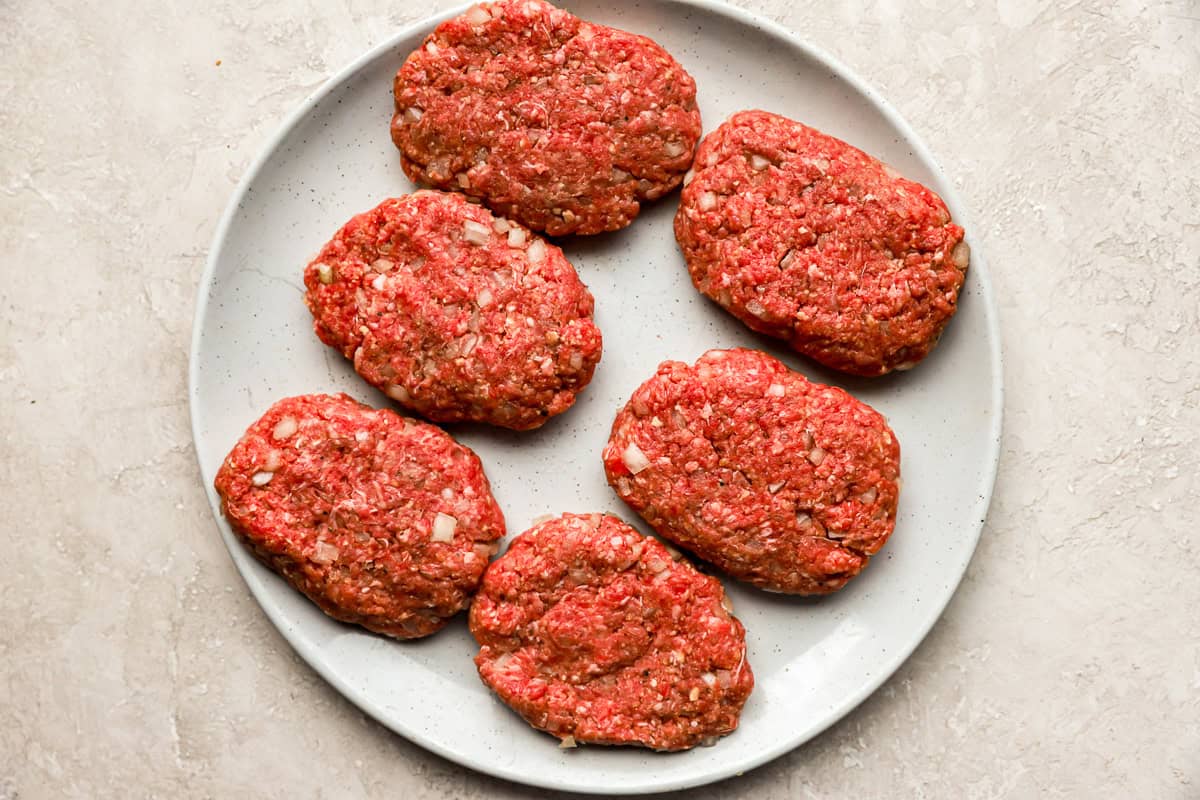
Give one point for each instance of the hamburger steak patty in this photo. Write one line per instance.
(594, 633)
(786, 484)
(563, 124)
(382, 521)
(455, 314)
(803, 237)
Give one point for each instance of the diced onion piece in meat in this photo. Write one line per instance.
(500, 225)
(709, 679)
(775, 487)
(325, 553)
(687, 176)
(961, 255)
(483, 551)
(516, 237)
(758, 162)
(776, 390)
(378, 283)
(707, 201)
(816, 456)
(576, 361)
(477, 15)
(398, 393)
(756, 308)
(673, 149)
(620, 175)
(382, 264)
(443, 528)
(634, 458)
(567, 743)
(484, 298)
(537, 251)
(709, 741)
(869, 495)
(412, 114)
(325, 274)
(262, 478)
(285, 428)
(476, 232)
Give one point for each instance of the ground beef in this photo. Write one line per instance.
(382, 521)
(803, 237)
(787, 484)
(562, 124)
(595, 633)
(455, 314)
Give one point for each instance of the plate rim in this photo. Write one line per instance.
(311, 653)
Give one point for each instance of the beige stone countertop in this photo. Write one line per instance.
(135, 663)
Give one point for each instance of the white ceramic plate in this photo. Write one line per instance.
(813, 660)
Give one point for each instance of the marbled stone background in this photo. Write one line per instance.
(133, 662)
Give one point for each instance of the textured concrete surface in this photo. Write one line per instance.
(133, 662)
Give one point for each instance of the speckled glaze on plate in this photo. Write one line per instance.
(814, 660)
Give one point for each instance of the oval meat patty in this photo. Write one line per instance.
(563, 124)
(382, 521)
(593, 633)
(787, 484)
(803, 237)
(455, 314)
